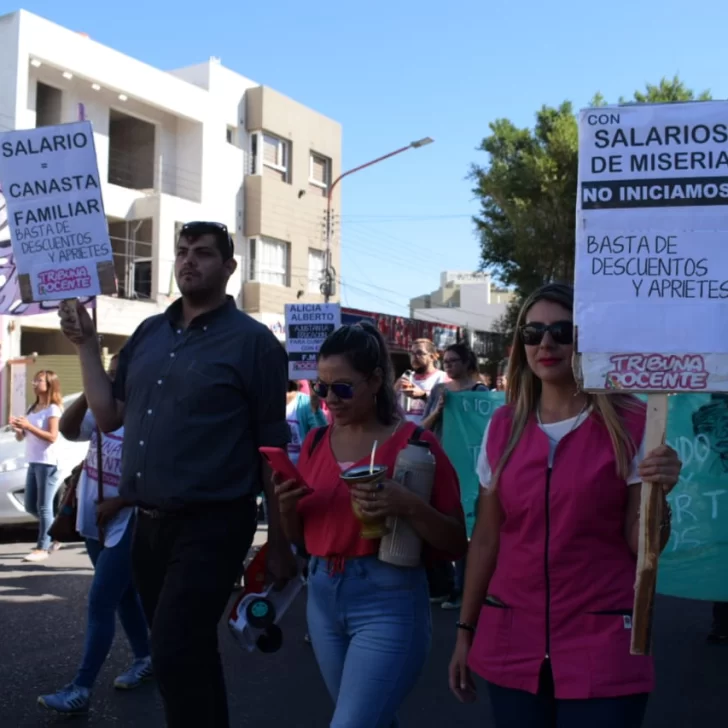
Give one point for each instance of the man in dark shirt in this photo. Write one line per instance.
(198, 390)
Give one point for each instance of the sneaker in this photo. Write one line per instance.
(55, 546)
(71, 700)
(452, 602)
(439, 599)
(139, 672)
(36, 555)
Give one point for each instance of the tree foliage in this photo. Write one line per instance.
(527, 193)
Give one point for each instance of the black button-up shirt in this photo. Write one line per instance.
(198, 402)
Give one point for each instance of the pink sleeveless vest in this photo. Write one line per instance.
(563, 587)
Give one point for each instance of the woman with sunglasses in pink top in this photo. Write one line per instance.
(547, 607)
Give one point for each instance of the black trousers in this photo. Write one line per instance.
(519, 709)
(184, 567)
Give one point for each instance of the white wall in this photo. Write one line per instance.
(191, 108)
(475, 311)
(484, 321)
(85, 58)
(12, 104)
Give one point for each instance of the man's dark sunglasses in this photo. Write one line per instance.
(220, 231)
(342, 390)
(562, 332)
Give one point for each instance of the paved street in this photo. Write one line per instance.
(42, 619)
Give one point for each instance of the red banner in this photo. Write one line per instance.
(400, 332)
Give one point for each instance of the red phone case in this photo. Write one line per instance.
(280, 463)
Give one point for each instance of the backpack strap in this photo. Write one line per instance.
(318, 435)
(417, 434)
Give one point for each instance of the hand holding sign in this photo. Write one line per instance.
(76, 324)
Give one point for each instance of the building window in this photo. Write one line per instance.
(254, 158)
(142, 278)
(231, 135)
(268, 261)
(319, 174)
(48, 103)
(319, 170)
(316, 266)
(277, 154)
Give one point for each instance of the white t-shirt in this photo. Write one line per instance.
(38, 450)
(415, 408)
(88, 488)
(294, 443)
(555, 431)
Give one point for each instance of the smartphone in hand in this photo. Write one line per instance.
(281, 464)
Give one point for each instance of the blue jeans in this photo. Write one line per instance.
(519, 709)
(41, 484)
(111, 591)
(370, 628)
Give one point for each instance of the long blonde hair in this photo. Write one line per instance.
(523, 390)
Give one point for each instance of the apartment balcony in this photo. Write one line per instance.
(139, 173)
(131, 244)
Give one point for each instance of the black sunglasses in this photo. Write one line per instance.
(220, 231)
(562, 332)
(343, 390)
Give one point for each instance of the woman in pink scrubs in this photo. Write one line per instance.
(547, 607)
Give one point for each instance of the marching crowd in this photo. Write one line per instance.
(167, 504)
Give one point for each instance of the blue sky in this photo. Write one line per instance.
(391, 72)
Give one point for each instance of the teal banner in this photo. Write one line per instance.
(695, 563)
(465, 418)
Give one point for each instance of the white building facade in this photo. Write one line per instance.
(465, 299)
(199, 143)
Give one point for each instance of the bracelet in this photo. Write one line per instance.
(467, 627)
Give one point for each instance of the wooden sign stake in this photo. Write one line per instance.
(651, 503)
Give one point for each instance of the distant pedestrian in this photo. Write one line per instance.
(303, 413)
(39, 429)
(198, 390)
(461, 368)
(107, 528)
(415, 386)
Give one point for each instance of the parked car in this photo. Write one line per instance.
(13, 468)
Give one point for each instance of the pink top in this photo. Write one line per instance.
(563, 587)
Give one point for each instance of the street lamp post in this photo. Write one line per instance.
(327, 287)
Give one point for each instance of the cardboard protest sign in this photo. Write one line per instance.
(58, 228)
(11, 302)
(651, 261)
(652, 275)
(307, 326)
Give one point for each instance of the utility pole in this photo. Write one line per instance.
(328, 287)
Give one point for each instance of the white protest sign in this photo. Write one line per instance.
(651, 281)
(307, 326)
(58, 229)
